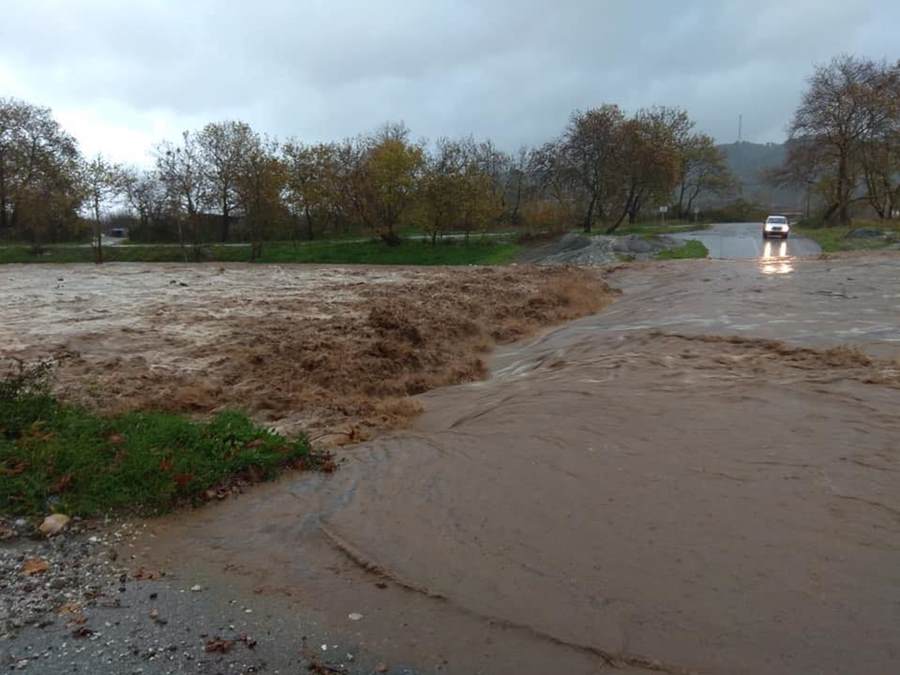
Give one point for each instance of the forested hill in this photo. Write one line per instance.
(748, 160)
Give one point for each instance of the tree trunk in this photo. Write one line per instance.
(309, 223)
(589, 216)
(98, 231)
(4, 217)
(226, 215)
(843, 191)
(679, 207)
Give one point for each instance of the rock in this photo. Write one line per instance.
(54, 524)
(381, 668)
(576, 249)
(196, 588)
(865, 233)
(632, 244)
(354, 616)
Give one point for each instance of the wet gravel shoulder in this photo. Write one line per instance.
(74, 603)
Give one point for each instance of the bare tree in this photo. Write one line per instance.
(703, 169)
(181, 172)
(102, 183)
(840, 112)
(146, 196)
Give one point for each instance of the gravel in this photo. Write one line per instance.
(576, 249)
(85, 611)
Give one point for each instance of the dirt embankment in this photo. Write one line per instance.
(335, 353)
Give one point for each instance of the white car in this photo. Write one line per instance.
(776, 226)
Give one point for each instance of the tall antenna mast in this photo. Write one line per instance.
(740, 128)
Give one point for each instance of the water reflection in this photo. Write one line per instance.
(776, 260)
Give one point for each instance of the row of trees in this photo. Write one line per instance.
(228, 182)
(610, 167)
(845, 139)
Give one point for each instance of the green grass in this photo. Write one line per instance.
(409, 252)
(833, 239)
(690, 249)
(56, 457)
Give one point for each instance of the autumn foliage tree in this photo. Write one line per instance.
(39, 174)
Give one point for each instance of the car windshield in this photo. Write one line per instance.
(780, 220)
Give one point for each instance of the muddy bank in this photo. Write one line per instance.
(335, 352)
(702, 478)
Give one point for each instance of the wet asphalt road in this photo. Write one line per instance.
(744, 240)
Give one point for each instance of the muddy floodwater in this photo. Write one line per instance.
(334, 352)
(702, 478)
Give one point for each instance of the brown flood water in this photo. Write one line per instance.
(705, 478)
(629, 492)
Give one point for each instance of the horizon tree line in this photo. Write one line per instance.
(228, 182)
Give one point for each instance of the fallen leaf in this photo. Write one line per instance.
(34, 566)
(145, 575)
(183, 479)
(220, 646)
(62, 484)
(14, 468)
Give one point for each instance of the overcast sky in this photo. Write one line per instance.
(122, 75)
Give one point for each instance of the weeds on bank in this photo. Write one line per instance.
(57, 457)
(409, 252)
(690, 249)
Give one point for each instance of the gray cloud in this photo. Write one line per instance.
(123, 75)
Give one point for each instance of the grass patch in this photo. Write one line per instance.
(690, 249)
(409, 252)
(833, 239)
(56, 457)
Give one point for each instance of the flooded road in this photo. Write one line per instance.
(703, 478)
(744, 240)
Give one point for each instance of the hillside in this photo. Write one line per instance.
(747, 161)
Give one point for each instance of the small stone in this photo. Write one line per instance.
(354, 616)
(381, 668)
(54, 524)
(196, 588)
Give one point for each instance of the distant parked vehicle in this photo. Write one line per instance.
(776, 226)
